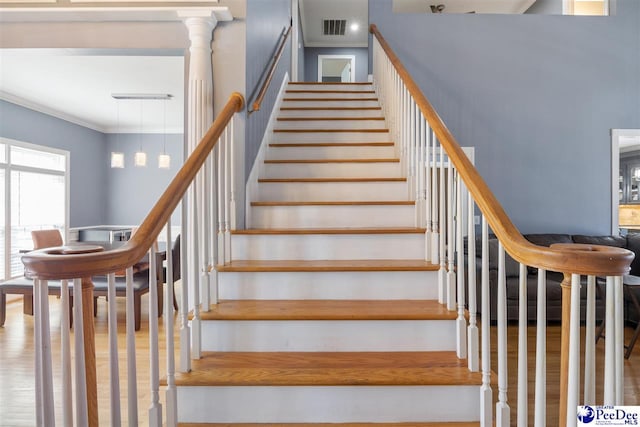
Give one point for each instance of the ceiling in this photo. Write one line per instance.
(313, 12)
(463, 6)
(77, 87)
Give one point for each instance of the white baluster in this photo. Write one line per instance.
(442, 273)
(486, 394)
(232, 173)
(619, 340)
(436, 226)
(37, 338)
(419, 152)
(82, 415)
(171, 392)
(196, 321)
(503, 412)
(185, 329)
(221, 209)
(609, 345)
(590, 344)
(412, 148)
(65, 355)
(427, 193)
(114, 367)
(574, 351)
(205, 266)
(451, 272)
(523, 381)
(461, 321)
(541, 351)
(213, 235)
(48, 410)
(155, 410)
(227, 211)
(132, 384)
(472, 332)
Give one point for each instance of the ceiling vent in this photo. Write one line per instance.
(334, 27)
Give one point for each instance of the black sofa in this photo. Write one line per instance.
(554, 279)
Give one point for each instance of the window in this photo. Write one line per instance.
(34, 192)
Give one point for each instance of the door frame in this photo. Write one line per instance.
(352, 59)
(616, 135)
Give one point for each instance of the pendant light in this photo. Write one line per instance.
(164, 160)
(117, 157)
(140, 157)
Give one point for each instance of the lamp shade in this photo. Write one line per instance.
(164, 161)
(140, 159)
(117, 159)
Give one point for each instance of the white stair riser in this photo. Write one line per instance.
(328, 335)
(331, 170)
(332, 216)
(301, 137)
(328, 94)
(315, 86)
(331, 124)
(328, 246)
(336, 152)
(330, 113)
(332, 191)
(364, 285)
(329, 404)
(288, 103)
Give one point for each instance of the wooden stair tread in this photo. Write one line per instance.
(328, 108)
(338, 203)
(328, 310)
(328, 369)
(396, 230)
(328, 91)
(319, 119)
(331, 130)
(330, 99)
(382, 160)
(333, 144)
(327, 265)
(345, 180)
(409, 424)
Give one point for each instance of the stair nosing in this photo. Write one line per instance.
(327, 180)
(336, 203)
(319, 119)
(285, 161)
(329, 91)
(319, 231)
(328, 99)
(330, 144)
(328, 108)
(381, 130)
(326, 266)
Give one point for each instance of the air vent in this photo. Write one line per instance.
(334, 27)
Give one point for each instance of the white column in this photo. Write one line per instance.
(295, 24)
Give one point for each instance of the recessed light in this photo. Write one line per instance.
(355, 26)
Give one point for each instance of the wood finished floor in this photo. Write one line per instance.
(17, 366)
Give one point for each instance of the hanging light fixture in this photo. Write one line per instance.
(140, 157)
(117, 157)
(164, 160)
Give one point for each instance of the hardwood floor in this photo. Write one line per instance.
(17, 366)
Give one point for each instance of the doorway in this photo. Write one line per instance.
(625, 179)
(336, 68)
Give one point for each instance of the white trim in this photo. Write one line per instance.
(295, 28)
(616, 134)
(337, 44)
(352, 58)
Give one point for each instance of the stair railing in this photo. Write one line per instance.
(447, 189)
(80, 263)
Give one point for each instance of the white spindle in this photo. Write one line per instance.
(523, 382)
(227, 211)
(196, 321)
(426, 192)
(132, 384)
(436, 226)
(114, 368)
(451, 272)
(619, 340)
(171, 392)
(220, 198)
(590, 344)
(37, 338)
(82, 414)
(412, 148)
(574, 351)
(155, 410)
(65, 356)
(486, 394)
(442, 273)
(232, 173)
(461, 321)
(47, 362)
(185, 329)
(205, 232)
(541, 351)
(472, 332)
(503, 412)
(609, 345)
(213, 227)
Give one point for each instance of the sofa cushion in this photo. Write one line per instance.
(617, 241)
(511, 266)
(548, 239)
(633, 244)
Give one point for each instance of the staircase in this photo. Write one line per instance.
(328, 313)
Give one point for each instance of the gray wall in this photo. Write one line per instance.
(88, 157)
(132, 191)
(265, 22)
(301, 50)
(536, 95)
(311, 60)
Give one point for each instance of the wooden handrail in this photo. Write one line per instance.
(53, 263)
(576, 259)
(272, 70)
